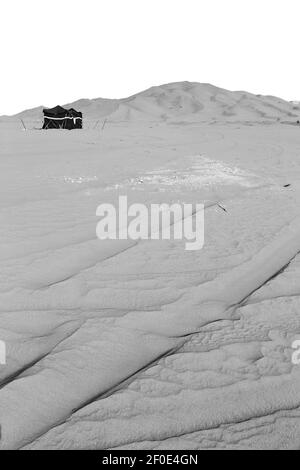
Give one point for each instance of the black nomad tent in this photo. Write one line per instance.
(61, 118)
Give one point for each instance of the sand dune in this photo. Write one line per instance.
(140, 343)
(183, 101)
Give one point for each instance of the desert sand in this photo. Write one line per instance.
(142, 344)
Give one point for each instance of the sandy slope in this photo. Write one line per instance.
(146, 345)
(179, 102)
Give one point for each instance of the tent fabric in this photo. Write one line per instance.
(57, 110)
(75, 113)
(61, 118)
